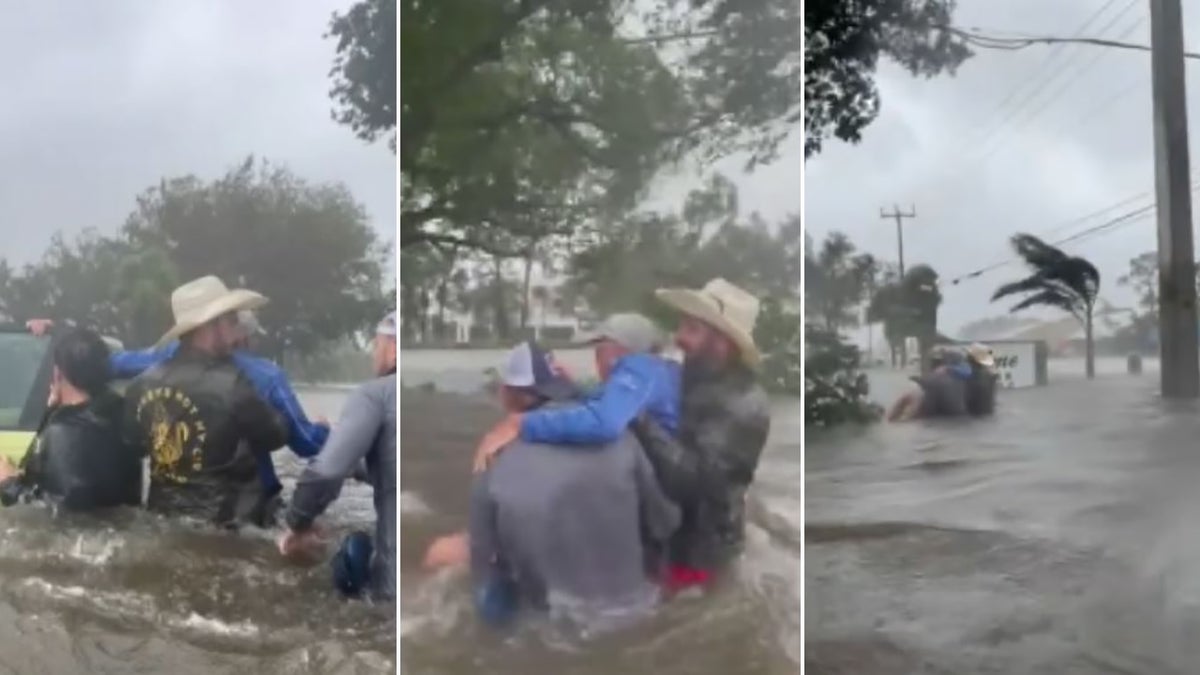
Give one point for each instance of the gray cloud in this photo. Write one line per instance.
(1083, 143)
(103, 99)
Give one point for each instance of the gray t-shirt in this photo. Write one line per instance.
(570, 526)
(945, 395)
(363, 440)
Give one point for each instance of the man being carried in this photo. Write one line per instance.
(563, 530)
(942, 392)
(365, 434)
(78, 459)
(198, 416)
(634, 381)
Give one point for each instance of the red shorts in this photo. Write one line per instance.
(679, 578)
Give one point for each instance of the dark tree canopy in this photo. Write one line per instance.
(1058, 280)
(364, 69)
(843, 43)
(306, 246)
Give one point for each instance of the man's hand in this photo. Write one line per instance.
(8, 469)
(53, 399)
(560, 369)
(305, 546)
(449, 551)
(506, 431)
(39, 327)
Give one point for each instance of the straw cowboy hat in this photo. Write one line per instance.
(723, 306)
(198, 302)
(983, 355)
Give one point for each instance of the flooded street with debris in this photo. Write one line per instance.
(1058, 537)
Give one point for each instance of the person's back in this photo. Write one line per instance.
(79, 458)
(945, 394)
(368, 422)
(567, 527)
(82, 461)
(200, 421)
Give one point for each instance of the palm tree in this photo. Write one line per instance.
(1058, 280)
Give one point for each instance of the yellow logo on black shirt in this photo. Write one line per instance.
(175, 433)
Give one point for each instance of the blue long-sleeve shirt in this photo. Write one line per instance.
(638, 383)
(304, 437)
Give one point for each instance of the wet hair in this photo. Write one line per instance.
(83, 359)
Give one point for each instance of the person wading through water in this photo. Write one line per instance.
(723, 428)
(79, 459)
(197, 415)
(981, 387)
(305, 437)
(942, 392)
(363, 442)
(572, 531)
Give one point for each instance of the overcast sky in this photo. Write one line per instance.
(1074, 137)
(105, 98)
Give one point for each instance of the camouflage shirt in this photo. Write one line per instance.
(723, 428)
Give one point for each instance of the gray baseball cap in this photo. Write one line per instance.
(632, 331)
(248, 322)
(387, 326)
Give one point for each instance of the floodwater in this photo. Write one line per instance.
(1062, 536)
(748, 626)
(136, 593)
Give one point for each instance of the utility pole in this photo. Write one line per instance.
(1177, 321)
(899, 216)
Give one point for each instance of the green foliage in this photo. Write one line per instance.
(306, 247)
(619, 267)
(835, 392)
(836, 281)
(907, 307)
(777, 335)
(520, 118)
(1057, 280)
(843, 42)
(364, 69)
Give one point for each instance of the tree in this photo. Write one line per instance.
(843, 42)
(364, 69)
(835, 392)
(907, 308)
(623, 262)
(1143, 279)
(1057, 280)
(836, 281)
(307, 247)
(522, 116)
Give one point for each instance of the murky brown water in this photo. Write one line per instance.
(1063, 536)
(140, 594)
(749, 626)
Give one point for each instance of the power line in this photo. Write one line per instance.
(1042, 68)
(1125, 219)
(1065, 84)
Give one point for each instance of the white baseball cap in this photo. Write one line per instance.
(528, 366)
(387, 326)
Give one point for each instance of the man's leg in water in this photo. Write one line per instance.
(906, 407)
(264, 513)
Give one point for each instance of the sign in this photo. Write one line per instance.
(1016, 363)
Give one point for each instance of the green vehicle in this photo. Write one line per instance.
(25, 368)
